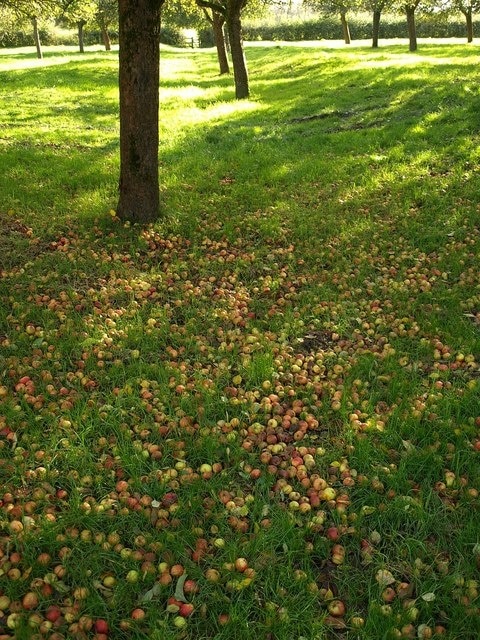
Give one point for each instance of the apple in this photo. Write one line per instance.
(100, 626)
(179, 622)
(336, 608)
(186, 609)
(241, 564)
(132, 576)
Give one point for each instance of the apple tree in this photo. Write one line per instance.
(467, 8)
(217, 20)
(410, 7)
(376, 7)
(231, 10)
(188, 13)
(33, 11)
(336, 7)
(79, 13)
(106, 15)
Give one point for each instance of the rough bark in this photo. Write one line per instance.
(412, 30)
(217, 24)
(139, 58)
(80, 25)
(234, 28)
(376, 28)
(36, 37)
(345, 28)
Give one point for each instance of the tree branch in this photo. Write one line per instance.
(212, 5)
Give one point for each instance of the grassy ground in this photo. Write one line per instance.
(267, 405)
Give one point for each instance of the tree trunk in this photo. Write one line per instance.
(36, 37)
(106, 39)
(139, 59)
(345, 29)
(234, 27)
(80, 25)
(376, 28)
(225, 38)
(412, 31)
(468, 18)
(104, 31)
(217, 24)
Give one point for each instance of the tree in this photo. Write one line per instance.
(335, 7)
(467, 7)
(106, 15)
(235, 38)
(376, 7)
(139, 58)
(80, 13)
(410, 7)
(231, 11)
(217, 20)
(32, 10)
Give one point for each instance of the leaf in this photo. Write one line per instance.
(384, 577)
(151, 593)
(408, 445)
(179, 595)
(61, 587)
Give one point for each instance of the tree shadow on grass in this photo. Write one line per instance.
(360, 124)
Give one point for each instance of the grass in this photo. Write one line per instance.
(283, 369)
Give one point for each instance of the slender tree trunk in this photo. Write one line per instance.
(36, 37)
(234, 27)
(106, 39)
(469, 20)
(412, 30)
(376, 28)
(104, 31)
(217, 24)
(80, 25)
(345, 28)
(139, 58)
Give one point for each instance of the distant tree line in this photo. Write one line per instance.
(18, 17)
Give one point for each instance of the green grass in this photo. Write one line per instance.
(311, 291)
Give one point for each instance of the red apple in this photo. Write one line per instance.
(186, 609)
(101, 626)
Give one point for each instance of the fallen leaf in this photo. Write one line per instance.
(179, 594)
(151, 593)
(384, 578)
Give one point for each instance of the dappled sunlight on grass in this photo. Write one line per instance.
(401, 60)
